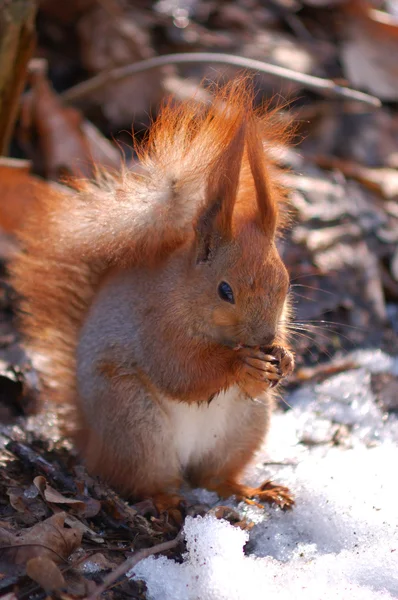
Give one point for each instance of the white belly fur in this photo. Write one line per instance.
(198, 428)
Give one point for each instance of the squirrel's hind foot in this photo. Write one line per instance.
(267, 492)
(272, 494)
(170, 505)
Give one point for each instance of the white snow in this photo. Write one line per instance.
(340, 541)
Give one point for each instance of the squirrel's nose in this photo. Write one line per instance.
(262, 336)
(268, 339)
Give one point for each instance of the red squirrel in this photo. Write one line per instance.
(154, 301)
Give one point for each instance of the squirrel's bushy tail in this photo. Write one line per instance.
(71, 239)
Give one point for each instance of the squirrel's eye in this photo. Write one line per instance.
(225, 292)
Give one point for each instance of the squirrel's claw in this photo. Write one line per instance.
(284, 358)
(272, 494)
(261, 369)
(269, 492)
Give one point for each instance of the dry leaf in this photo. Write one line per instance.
(29, 505)
(369, 54)
(90, 508)
(64, 146)
(17, 500)
(74, 522)
(64, 150)
(85, 507)
(46, 573)
(47, 539)
(51, 495)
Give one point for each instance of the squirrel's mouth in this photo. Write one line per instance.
(238, 346)
(262, 347)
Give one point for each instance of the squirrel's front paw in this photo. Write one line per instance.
(257, 371)
(263, 368)
(285, 359)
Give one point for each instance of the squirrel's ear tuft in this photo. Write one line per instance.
(214, 223)
(266, 202)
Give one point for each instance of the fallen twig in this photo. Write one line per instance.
(324, 86)
(320, 372)
(130, 563)
(33, 460)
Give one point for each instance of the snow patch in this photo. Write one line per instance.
(341, 539)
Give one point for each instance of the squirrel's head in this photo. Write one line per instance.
(238, 281)
(241, 290)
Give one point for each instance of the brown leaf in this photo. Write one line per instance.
(47, 539)
(51, 495)
(74, 522)
(85, 507)
(17, 500)
(64, 151)
(369, 54)
(64, 148)
(46, 573)
(90, 508)
(30, 507)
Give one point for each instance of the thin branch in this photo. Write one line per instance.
(130, 563)
(30, 457)
(324, 86)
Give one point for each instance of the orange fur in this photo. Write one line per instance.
(203, 209)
